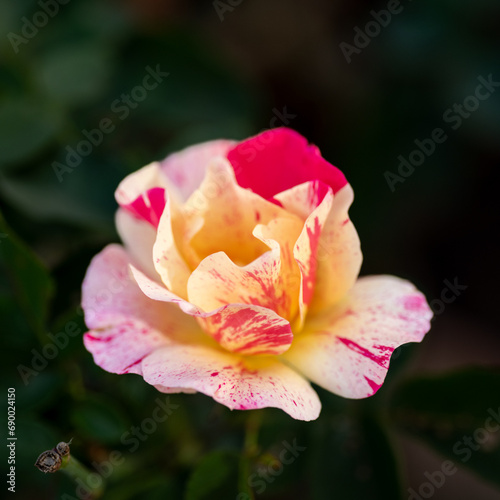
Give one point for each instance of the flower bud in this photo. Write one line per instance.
(63, 448)
(48, 461)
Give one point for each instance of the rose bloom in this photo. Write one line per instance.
(238, 278)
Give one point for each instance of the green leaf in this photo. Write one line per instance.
(452, 414)
(10, 25)
(214, 477)
(75, 75)
(100, 19)
(25, 128)
(25, 289)
(77, 199)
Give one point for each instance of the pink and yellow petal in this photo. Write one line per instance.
(249, 330)
(167, 257)
(124, 324)
(143, 194)
(120, 347)
(236, 382)
(137, 183)
(301, 200)
(306, 253)
(328, 252)
(138, 237)
(271, 281)
(246, 329)
(347, 350)
(186, 169)
(229, 214)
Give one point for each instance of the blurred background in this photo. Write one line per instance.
(367, 87)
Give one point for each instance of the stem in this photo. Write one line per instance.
(76, 470)
(250, 451)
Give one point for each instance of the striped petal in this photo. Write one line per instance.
(246, 329)
(167, 255)
(124, 324)
(229, 215)
(138, 237)
(347, 351)
(236, 382)
(143, 193)
(328, 252)
(301, 200)
(271, 281)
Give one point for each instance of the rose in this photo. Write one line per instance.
(238, 278)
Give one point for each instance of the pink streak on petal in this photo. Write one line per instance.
(250, 331)
(309, 271)
(125, 325)
(375, 387)
(382, 361)
(148, 206)
(415, 303)
(241, 383)
(348, 351)
(317, 192)
(247, 329)
(128, 368)
(94, 338)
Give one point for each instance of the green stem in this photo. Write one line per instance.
(76, 470)
(250, 451)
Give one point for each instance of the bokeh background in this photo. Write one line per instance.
(236, 67)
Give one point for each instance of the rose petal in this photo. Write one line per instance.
(272, 280)
(137, 183)
(301, 200)
(138, 237)
(279, 159)
(143, 193)
(124, 324)
(238, 383)
(122, 347)
(246, 329)
(168, 260)
(229, 214)
(328, 252)
(348, 350)
(149, 205)
(186, 169)
(250, 330)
